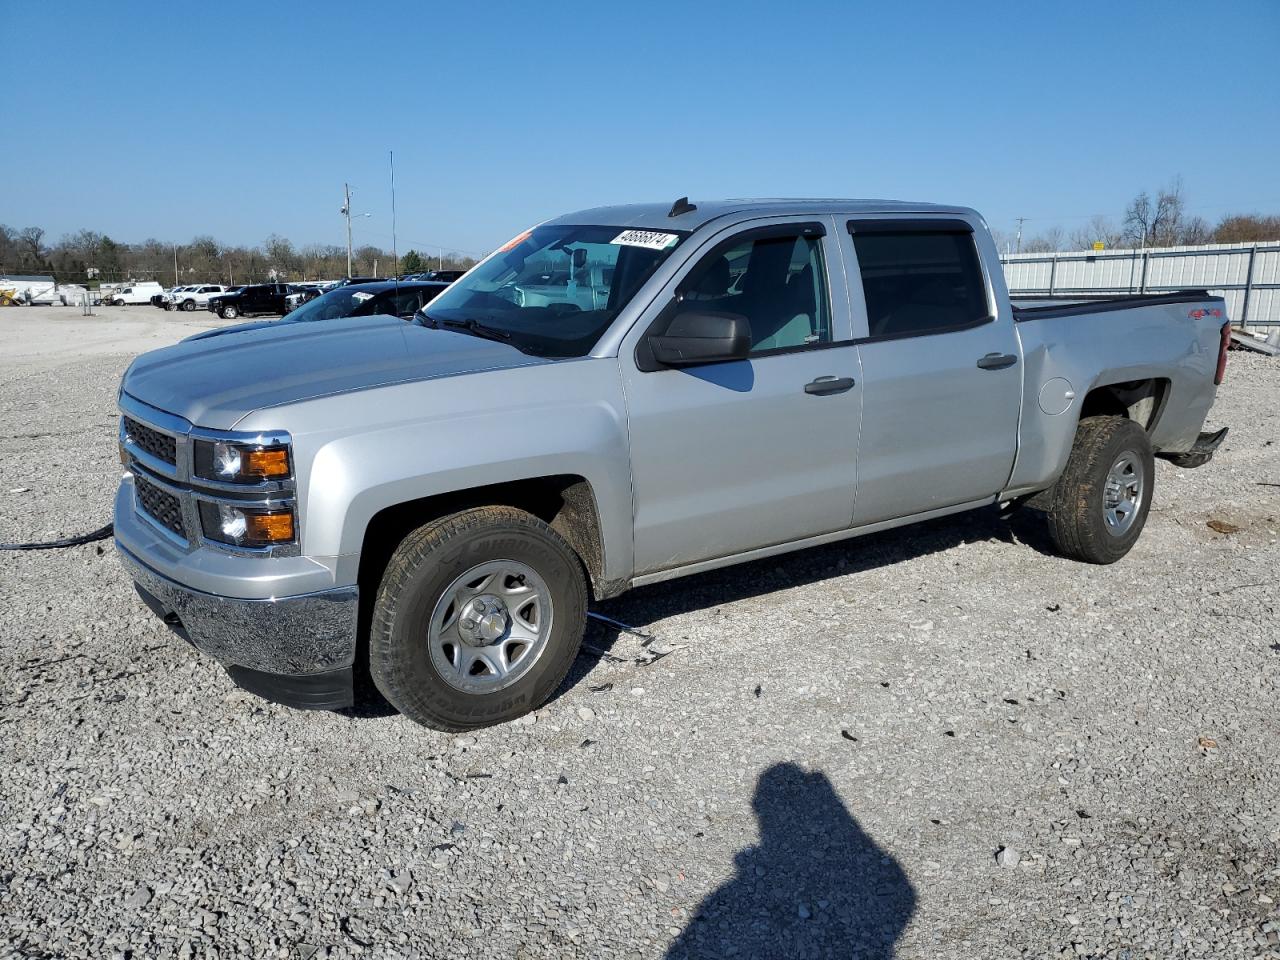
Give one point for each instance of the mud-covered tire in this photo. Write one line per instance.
(1078, 511)
(426, 565)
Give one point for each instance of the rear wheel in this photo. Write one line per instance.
(1100, 504)
(479, 616)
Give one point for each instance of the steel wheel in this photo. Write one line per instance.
(1122, 495)
(490, 626)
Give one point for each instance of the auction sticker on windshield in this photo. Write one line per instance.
(649, 239)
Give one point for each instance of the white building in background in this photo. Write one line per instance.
(1247, 275)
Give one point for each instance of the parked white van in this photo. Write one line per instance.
(134, 293)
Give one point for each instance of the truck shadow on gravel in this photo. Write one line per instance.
(816, 885)
(1024, 530)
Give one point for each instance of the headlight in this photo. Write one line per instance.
(247, 526)
(231, 462)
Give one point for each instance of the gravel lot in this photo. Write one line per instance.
(936, 742)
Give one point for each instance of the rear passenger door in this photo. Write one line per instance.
(942, 381)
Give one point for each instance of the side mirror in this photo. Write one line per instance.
(702, 336)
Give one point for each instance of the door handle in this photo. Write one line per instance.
(998, 361)
(825, 385)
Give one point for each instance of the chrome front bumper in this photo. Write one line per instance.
(297, 650)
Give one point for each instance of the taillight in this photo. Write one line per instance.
(1222, 353)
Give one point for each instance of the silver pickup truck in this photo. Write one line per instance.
(618, 397)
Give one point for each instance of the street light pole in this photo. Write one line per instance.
(346, 209)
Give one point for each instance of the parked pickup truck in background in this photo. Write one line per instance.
(259, 299)
(618, 397)
(190, 298)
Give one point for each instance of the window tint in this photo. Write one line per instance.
(778, 283)
(919, 283)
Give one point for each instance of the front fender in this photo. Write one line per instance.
(480, 430)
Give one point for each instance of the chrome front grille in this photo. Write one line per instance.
(162, 506)
(159, 445)
(158, 451)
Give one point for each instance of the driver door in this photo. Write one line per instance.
(730, 457)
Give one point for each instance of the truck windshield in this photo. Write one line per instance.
(555, 289)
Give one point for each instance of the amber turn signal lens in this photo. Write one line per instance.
(269, 527)
(268, 463)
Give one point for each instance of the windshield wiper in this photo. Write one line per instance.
(477, 328)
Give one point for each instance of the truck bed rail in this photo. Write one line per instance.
(1043, 307)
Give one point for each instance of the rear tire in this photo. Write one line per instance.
(1099, 505)
(495, 569)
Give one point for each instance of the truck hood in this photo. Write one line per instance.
(218, 381)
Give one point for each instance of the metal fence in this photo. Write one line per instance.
(1247, 275)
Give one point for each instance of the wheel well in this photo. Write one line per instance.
(565, 502)
(1142, 401)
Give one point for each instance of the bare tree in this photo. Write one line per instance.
(1162, 222)
(1047, 241)
(1099, 229)
(1246, 228)
(31, 248)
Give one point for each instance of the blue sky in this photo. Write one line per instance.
(242, 119)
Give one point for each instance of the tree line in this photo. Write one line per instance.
(1159, 220)
(90, 258)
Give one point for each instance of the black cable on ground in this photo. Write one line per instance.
(100, 534)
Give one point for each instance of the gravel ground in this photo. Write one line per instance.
(937, 742)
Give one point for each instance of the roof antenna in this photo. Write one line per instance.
(680, 207)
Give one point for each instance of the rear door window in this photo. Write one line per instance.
(919, 280)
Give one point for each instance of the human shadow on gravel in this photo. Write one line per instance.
(814, 886)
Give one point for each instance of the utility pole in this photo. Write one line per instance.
(346, 210)
(175, 264)
(1021, 220)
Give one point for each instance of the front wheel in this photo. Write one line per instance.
(1100, 503)
(188, 305)
(230, 313)
(478, 619)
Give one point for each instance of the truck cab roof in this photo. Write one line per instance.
(657, 216)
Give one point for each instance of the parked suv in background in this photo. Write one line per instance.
(387, 298)
(259, 299)
(188, 298)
